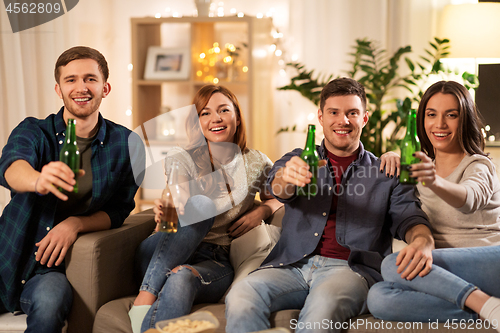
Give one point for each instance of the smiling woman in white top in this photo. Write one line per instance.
(460, 192)
(223, 176)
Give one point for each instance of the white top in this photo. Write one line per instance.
(248, 172)
(477, 222)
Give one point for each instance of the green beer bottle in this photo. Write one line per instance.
(69, 152)
(310, 156)
(409, 146)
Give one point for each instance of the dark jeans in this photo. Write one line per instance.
(46, 299)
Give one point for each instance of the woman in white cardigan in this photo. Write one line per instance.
(460, 192)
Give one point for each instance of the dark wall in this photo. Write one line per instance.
(488, 94)
(488, 97)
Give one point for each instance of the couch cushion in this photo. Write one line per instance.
(11, 323)
(112, 317)
(16, 323)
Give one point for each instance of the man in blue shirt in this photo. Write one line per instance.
(41, 222)
(332, 244)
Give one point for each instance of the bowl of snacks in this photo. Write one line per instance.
(197, 322)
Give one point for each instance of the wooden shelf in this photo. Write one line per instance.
(253, 88)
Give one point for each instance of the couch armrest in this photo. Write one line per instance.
(100, 268)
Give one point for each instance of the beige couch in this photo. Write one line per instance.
(100, 268)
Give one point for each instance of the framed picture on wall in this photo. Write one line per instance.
(167, 63)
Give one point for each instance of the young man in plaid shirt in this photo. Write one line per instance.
(41, 223)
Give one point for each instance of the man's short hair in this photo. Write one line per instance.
(343, 86)
(81, 52)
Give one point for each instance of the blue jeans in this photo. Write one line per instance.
(46, 299)
(441, 294)
(325, 289)
(176, 293)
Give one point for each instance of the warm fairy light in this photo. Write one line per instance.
(277, 34)
(128, 112)
(259, 15)
(241, 14)
(217, 49)
(158, 15)
(272, 47)
(278, 53)
(244, 69)
(199, 73)
(216, 80)
(130, 67)
(227, 59)
(202, 55)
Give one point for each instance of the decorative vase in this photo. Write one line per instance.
(203, 7)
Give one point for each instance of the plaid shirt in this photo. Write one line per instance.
(28, 217)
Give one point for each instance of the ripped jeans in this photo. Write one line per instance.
(204, 274)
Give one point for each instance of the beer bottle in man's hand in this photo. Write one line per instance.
(69, 153)
(311, 157)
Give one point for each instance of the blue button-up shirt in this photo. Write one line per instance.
(371, 210)
(29, 217)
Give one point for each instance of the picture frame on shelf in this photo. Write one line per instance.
(167, 63)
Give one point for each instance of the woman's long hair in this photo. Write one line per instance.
(469, 133)
(198, 146)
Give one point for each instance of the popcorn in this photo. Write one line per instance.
(188, 326)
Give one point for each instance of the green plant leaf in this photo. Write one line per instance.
(410, 64)
(380, 74)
